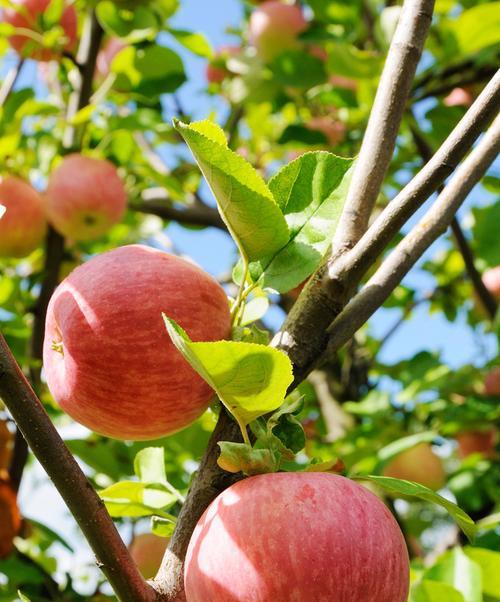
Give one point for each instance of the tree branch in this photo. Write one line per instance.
(414, 244)
(197, 214)
(385, 118)
(10, 81)
(80, 497)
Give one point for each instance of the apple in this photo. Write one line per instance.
(296, 537)
(492, 382)
(147, 551)
(108, 359)
(27, 15)
(85, 197)
(476, 441)
(216, 71)
(274, 28)
(23, 224)
(459, 97)
(419, 464)
(10, 518)
(339, 81)
(106, 56)
(491, 280)
(334, 131)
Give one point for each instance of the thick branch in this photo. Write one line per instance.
(385, 118)
(80, 497)
(197, 214)
(10, 81)
(414, 244)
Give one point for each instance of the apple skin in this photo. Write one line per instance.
(10, 518)
(23, 225)
(491, 280)
(274, 28)
(216, 72)
(106, 55)
(296, 537)
(334, 131)
(147, 550)
(117, 371)
(459, 97)
(85, 197)
(419, 464)
(492, 382)
(475, 441)
(33, 9)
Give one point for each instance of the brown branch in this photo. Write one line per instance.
(385, 118)
(197, 214)
(80, 497)
(414, 244)
(10, 81)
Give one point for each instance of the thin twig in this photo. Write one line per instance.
(10, 81)
(197, 214)
(80, 497)
(414, 244)
(152, 157)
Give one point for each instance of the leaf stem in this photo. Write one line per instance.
(241, 296)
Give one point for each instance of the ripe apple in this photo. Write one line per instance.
(108, 359)
(334, 131)
(476, 441)
(419, 464)
(296, 537)
(274, 28)
(459, 97)
(10, 518)
(85, 197)
(491, 280)
(147, 551)
(492, 382)
(216, 71)
(23, 224)
(106, 56)
(27, 15)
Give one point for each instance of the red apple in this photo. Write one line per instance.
(85, 197)
(459, 97)
(216, 71)
(475, 441)
(274, 28)
(23, 224)
(492, 382)
(491, 280)
(10, 518)
(296, 537)
(419, 464)
(334, 131)
(108, 359)
(106, 56)
(147, 551)
(27, 15)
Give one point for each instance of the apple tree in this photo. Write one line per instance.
(248, 300)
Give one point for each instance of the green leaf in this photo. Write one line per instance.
(459, 571)
(22, 597)
(240, 457)
(52, 14)
(347, 60)
(489, 561)
(136, 25)
(149, 465)
(249, 379)
(433, 591)
(197, 43)
(387, 453)
(489, 522)
(254, 309)
(477, 27)
(163, 526)
(310, 192)
(244, 201)
(298, 69)
(130, 498)
(485, 231)
(406, 488)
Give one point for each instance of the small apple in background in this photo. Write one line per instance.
(147, 552)
(459, 97)
(274, 28)
(216, 71)
(491, 280)
(476, 441)
(334, 131)
(419, 464)
(492, 382)
(108, 359)
(10, 518)
(297, 536)
(27, 14)
(23, 225)
(85, 197)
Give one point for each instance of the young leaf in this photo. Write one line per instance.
(149, 465)
(163, 526)
(310, 192)
(406, 488)
(459, 571)
(249, 379)
(434, 591)
(130, 498)
(241, 457)
(489, 561)
(244, 201)
(197, 43)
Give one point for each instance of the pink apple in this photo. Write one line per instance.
(475, 441)
(27, 15)
(296, 537)
(459, 97)
(334, 131)
(274, 28)
(419, 464)
(106, 56)
(147, 552)
(216, 71)
(108, 359)
(492, 382)
(85, 197)
(23, 225)
(491, 280)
